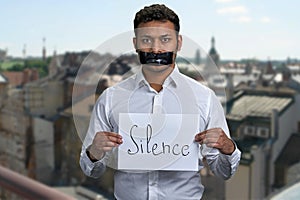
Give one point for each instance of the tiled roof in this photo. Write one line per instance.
(2, 79)
(14, 78)
(257, 106)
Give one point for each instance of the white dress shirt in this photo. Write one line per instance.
(179, 95)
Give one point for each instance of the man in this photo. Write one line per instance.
(158, 87)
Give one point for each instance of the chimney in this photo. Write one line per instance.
(26, 76)
(229, 86)
(34, 75)
(274, 124)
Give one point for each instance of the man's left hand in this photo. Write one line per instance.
(216, 138)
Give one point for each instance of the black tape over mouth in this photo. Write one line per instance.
(165, 58)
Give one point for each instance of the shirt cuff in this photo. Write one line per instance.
(90, 166)
(233, 159)
(235, 154)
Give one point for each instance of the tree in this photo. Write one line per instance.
(16, 67)
(40, 65)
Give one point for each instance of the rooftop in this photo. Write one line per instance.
(2, 79)
(14, 78)
(257, 106)
(290, 192)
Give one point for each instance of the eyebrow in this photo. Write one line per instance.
(149, 36)
(166, 35)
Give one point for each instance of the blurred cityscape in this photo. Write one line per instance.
(40, 139)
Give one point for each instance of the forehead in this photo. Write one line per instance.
(156, 28)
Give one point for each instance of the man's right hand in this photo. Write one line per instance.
(103, 142)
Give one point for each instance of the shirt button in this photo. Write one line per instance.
(153, 184)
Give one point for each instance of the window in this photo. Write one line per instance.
(263, 132)
(249, 130)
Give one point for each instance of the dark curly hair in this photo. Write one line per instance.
(158, 12)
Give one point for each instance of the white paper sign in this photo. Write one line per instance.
(158, 142)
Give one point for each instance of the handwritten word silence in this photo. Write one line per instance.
(145, 147)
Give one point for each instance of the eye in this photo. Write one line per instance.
(165, 39)
(146, 40)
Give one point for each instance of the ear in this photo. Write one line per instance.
(134, 43)
(179, 42)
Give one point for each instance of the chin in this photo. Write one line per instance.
(154, 67)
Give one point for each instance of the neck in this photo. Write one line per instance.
(156, 87)
(157, 77)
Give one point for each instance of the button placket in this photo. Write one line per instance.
(153, 185)
(153, 175)
(157, 103)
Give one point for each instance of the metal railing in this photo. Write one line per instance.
(28, 188)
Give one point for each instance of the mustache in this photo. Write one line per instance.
(165, 58)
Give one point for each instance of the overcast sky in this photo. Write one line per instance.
(259, 29)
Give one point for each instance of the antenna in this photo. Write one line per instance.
(44, 49)
(24, 51)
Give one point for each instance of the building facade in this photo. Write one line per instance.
(262, 123)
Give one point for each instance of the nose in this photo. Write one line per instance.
(156, 46)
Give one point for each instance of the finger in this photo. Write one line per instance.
(117, 140)
(108, 143)
(207, 134)
(200, 136)
(114, 137)
(105, 133)
(212, 135)
(214, 130)
(103, 136)
(213, 145)
(112, 134)
(210, 140)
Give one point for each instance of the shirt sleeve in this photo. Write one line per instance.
(98, 122)
(91, 169)
(222, 165)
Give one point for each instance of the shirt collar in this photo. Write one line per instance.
(172, 79)
(139, 77)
